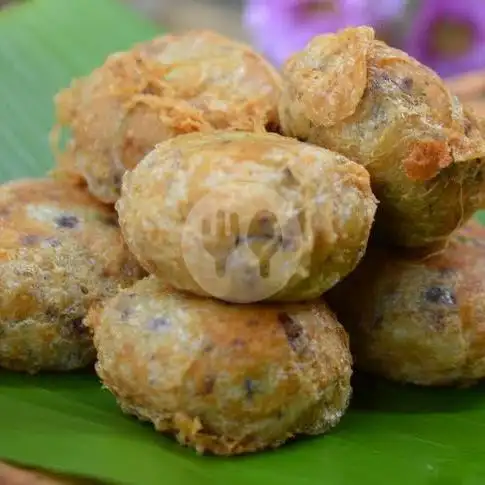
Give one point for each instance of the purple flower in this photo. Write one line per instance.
(280, 28)
(448, 35)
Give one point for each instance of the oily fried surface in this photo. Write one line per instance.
(45, 294)
(303, 213)
(225, 379)
(419, 319)
(381, 108)
(175, 84)
(35, 213)
(60, 251)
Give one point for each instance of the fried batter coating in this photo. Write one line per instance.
(37, 212)
(225, 379)
(60, 252)
(175, 84)
(419, 319)
(381, 108)
(45, 294)
(247, 217)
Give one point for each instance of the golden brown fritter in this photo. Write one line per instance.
(247, 217)
(225, 379)
(45, 294)
(37, 212)
(60, 251)
(174, 84)
(419, 319)
(381, 108)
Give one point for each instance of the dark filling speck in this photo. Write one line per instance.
(252, 322)
(209, 382)
(292, 328)
(117, 180)
(126, 313)
(440, 296)
(67, 222)
(158, 323)
(84, 290)
(289, 176)
(78, 326)
(30, 239)
(407, 84)
(51, 313)
(249, 386)
(53, 242)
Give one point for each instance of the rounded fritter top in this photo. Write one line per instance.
(174, 84)
(419, 319)
(247, 217)
(383, 109)
(226, 379)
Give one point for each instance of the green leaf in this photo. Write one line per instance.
(67, 422)
(43, 45)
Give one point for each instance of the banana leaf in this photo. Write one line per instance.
(68, 423)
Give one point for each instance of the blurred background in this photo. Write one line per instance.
(225, 16)
(446, 35)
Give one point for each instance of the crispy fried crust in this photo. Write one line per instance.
(60, 252)
(45, 294)
(175, 84)
(36, 212)
(419, 319)
(324, 194)
(224, 379)
(374, 104)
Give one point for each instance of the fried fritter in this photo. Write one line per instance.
(419, 319)
(45, 294)
(381, 108)
(60, 252)
(247, 217)
(225, 379)
(174, 84)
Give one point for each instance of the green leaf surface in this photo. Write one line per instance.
(392, 434)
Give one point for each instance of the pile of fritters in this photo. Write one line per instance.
(214, 219)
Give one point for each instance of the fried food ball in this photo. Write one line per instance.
(381, 108)
(419, 319)
(225, 379)
(60, 252)
(44, 296)
(174, 84)
(247, 217)
(37, 212)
